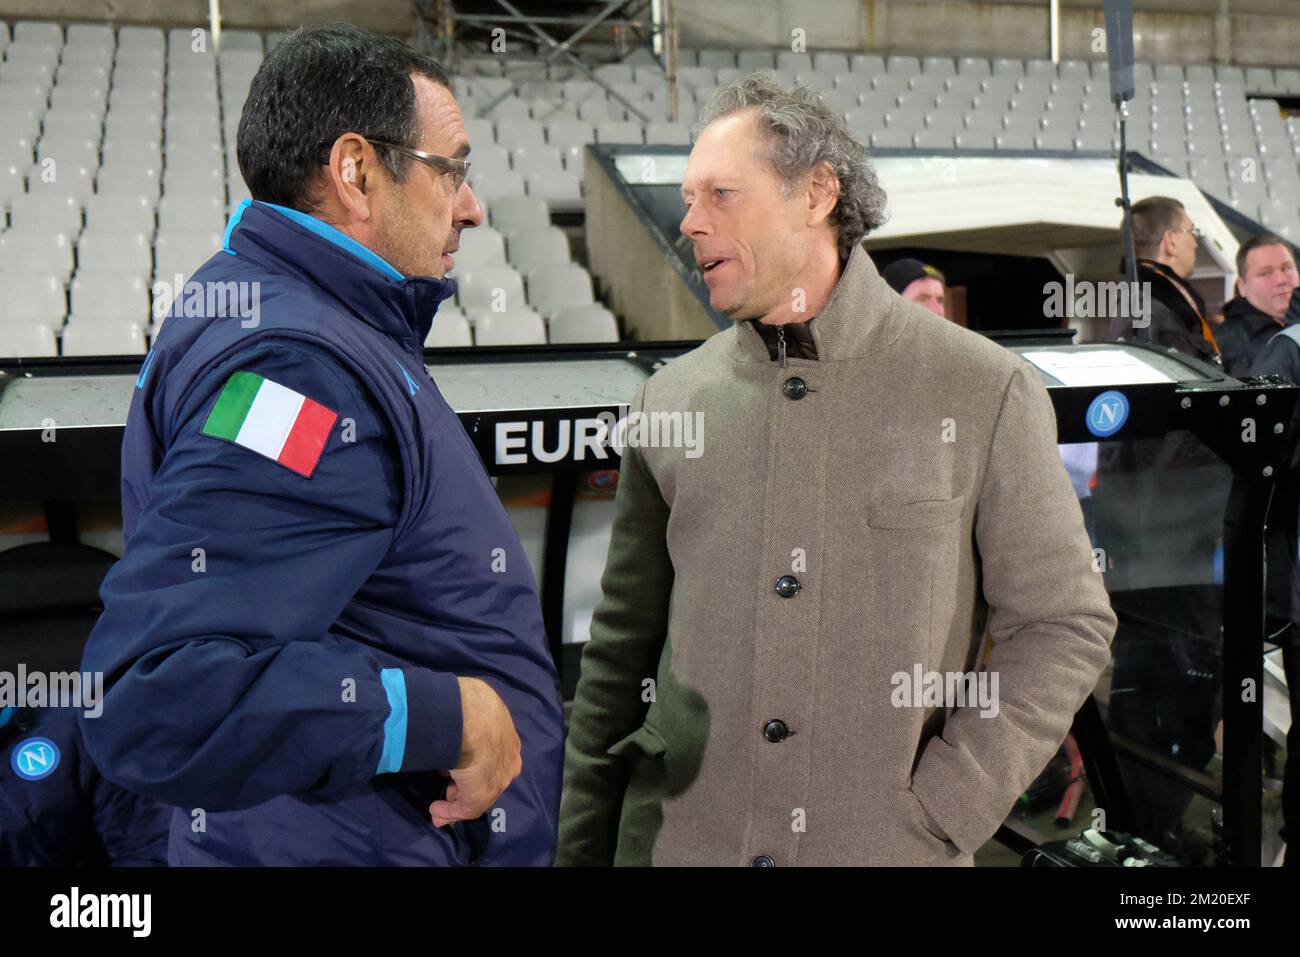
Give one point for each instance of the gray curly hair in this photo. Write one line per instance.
(802, 131)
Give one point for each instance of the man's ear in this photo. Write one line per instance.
(351, 165)
(823, 193)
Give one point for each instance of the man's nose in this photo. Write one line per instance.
(467, 209)
(693, 223)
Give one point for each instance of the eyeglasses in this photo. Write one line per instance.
(457, 169)
(1196, 231)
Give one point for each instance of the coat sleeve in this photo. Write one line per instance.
(225, 684)
(1049, 618)
(628, 629)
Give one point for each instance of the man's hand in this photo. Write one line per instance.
(489, 756)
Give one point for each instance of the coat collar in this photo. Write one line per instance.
(310, 249)
(861, 316)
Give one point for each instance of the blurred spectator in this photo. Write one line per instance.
(1266, 281)
(916, 282)
(1165, 240)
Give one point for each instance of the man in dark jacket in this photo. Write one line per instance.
(1165, 240)
(1281, 357)
(323, 644)
(1265, 301)
(57, 810)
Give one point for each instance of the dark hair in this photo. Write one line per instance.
(1152, 218)
(1253, 243)
(320, 82)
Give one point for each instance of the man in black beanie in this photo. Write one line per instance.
(916, 282)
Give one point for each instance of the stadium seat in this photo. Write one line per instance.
(107, 338)
(586, 323)
(118, 253)
(27, 339)
(486, 288)
(516, 328)
(37, 297)
(450, 329)
(552, 288)
(40, 251)
(512, 213)
(97, 296)
(480, 247)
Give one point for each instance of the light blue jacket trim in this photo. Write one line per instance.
(394, 683)
(322, 229)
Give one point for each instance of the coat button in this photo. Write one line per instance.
(795, 388)
(762, 861)
(787, 586)
(776, 731)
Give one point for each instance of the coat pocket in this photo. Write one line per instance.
(917, 548)
(927, 830)
(642, 814)
(932, 513)
(645, 740)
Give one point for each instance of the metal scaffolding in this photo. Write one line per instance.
(448, 28)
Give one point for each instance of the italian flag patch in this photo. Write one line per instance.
(269, 419)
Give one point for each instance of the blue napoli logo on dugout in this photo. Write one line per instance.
(1107, 414)
(34, 758)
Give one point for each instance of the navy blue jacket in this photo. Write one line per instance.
(280, 650)
(56, 809)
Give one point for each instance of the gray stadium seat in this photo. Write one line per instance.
(599, 111)
(123, 253)
(37, 33)
(512, 213)
(480, 247)
(496, 186)
(569, 133)
(562, 190)
(33, 297)
(106, 338)
(22, 340)
(486, 287)
(13, 183)
(129, 180)
(140, 38)
(95, 296)
(450, 329)
(974, 140)
(1014, 140)
(552, 288)
(521, 133)
(933, 139)
(668, 133)
(587, 323)
(521, 327)
(240, 40)
(106, 212)
(619, 132)
(538, 247)
(44, 251)
(183, 252)
(46, 212)
(717, 59)
(542, 158)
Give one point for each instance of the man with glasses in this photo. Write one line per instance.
(1166, 242)
(323, 644)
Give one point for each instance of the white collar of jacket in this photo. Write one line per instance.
(862, 316)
